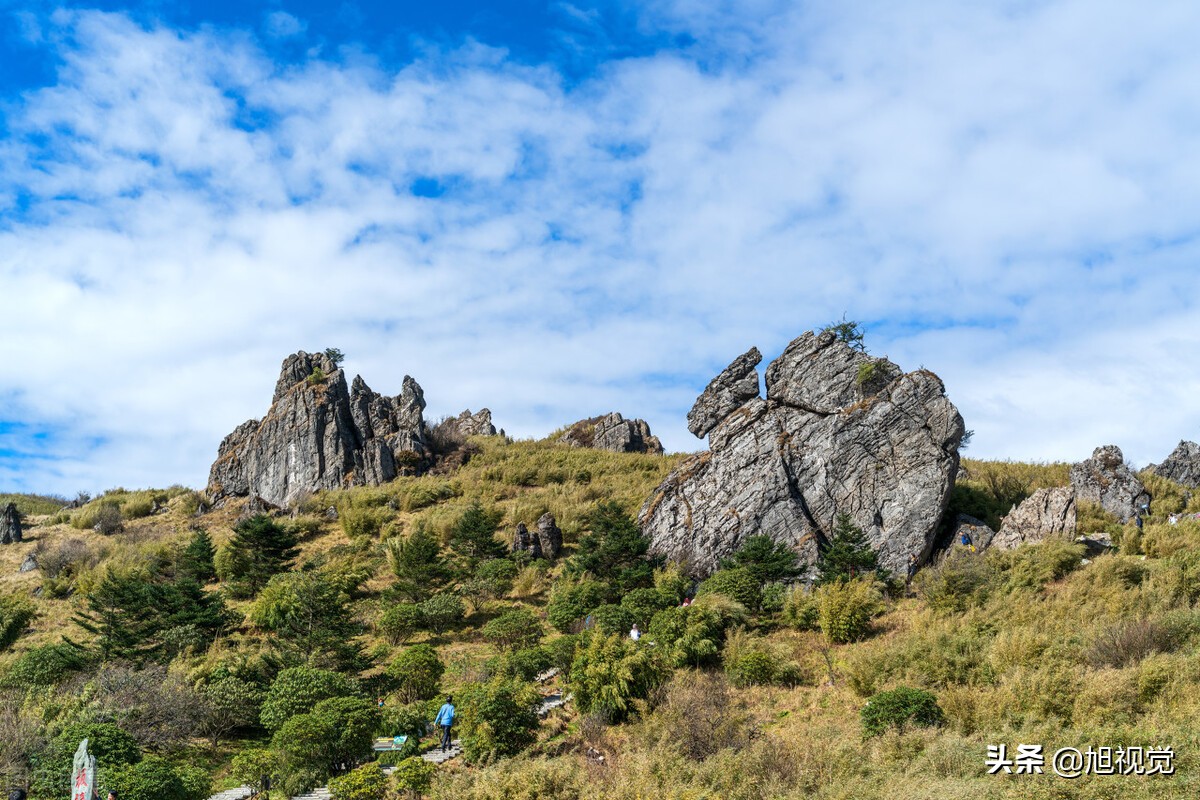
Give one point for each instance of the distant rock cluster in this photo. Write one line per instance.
(10, 525)
(319, 434)
(614, 433)
(1182, 466)
(545, 542)
(838, 432)
(477, 424)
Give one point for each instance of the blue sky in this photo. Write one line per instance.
(556, 210)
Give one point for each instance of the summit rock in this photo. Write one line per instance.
(1182, 466)
(614, 433)
(838, 432)
(318, 434)
(1105, 479)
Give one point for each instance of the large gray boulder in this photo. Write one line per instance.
(1182, 466)
(10, 525)
(614, 433)
(318, 434)
(1047, 513)
(1105, 479)
(838, 432)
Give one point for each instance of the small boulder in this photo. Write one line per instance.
(1105, 479)
(1044, 514)
(549, 536)
(976, 530)
(29, 564)
(525, 542)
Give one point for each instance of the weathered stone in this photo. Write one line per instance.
(1105, 479)
(30, 563)
(10, 525)
(978, 531)
(1182, 466)
(839, 432)
(549, 536)
(320, 435)
(526, 542)
(477, 424)
(727, 392)
(1047, 513)
(614, 433)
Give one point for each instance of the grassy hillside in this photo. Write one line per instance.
(722, 699)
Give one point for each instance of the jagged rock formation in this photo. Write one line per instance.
(478, 424)
(1105, 479)
(1182, 466)
(838, 432)
(549, 535)
(526, 542)
(614, 433)
(10, 525)
(320, 435)
(976, 530)
(1044, 514)
(546, 542)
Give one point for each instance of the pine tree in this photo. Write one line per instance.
(260, 548)
(848, 554)
(417, 562)
(765, 559)
(614, 550)
(474, 535)
(196, 560)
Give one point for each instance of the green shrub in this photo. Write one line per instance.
(365, 783)
(693, 635)
(571, 601)
(845, 609)
(528, 663)
(473, 535)
(45, 665)
(401, 621)
(514, 630)
(416, 673)
(155, 778)
(1033, 566)
(800, 609)
(15, 614)
(610, 673)
(337, 732)
(754, 668)
(643, 604)
(899, 708)
(414, 776)
(737, 584)
(298, 690)
(959, 580)
(443, 611)
(766, 559)
(249, 765)
(499, 718)
(774, 595)
(612, 619)
(361, 522)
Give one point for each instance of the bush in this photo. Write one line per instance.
(249, 765)
(337, 732)
(845, 609)
(401, 621)
(737, 584)
(643, 604)
(766, 559)
(528, 663)
(800, 609)
(414, 776)
(848, 555)
(514, 630)
(499, 719)
(365, 783)
(700, 717)
(1033, 566)
(612, 619)
(443, 611)
(959, 580)
(154, 778)
(609, 673)
(1129, 642)
(570, 602)
(46, 665)
(360, 522)
(298, 690)
(693, 635)
(417, 673)
(15, 614)
(898, 708)
(473, 535)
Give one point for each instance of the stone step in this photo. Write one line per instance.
(438, 756)
(237, 793)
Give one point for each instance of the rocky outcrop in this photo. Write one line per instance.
(734, 387)
(29, 564)
(10, 525)
(549, 536)
(1105, 479)
(1182, 466)
(545, 542)
(838, 432)
(477, 424)
(614, 433)
(976, 530)
(319, 434)
(1045, 514)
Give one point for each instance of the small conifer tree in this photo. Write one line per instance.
(848, 555)
(197, 560)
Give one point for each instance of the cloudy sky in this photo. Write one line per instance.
(556, 210)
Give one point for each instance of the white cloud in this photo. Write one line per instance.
(1006, 194)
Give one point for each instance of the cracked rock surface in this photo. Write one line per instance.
(838, 432)
(320, 435)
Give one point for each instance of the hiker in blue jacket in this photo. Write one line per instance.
(445, 718)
